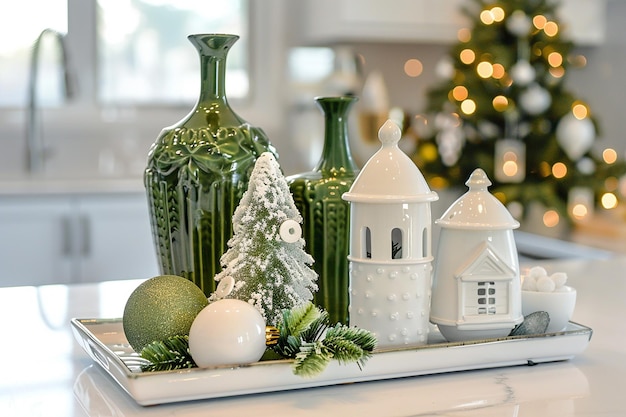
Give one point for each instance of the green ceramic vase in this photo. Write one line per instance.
(326, 223)
(198, 170)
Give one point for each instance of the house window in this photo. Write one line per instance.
(485, 298)
(367, 247)
(396, 243)
(425, 248)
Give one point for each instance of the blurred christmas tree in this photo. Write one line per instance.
(502, 106)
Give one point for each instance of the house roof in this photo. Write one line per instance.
(477, 208)
(486, 266)
(390, 176)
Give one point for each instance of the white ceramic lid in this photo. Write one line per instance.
(477, 208)
(390, 175)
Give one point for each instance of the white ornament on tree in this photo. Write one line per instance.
(450, 139)
(444, 69)
(290, 231)
(586, 166)
(575, 136)
(535, 99)
(519, 23)
(522, 73)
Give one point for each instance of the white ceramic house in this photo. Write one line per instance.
(476, 289)
(390, 253)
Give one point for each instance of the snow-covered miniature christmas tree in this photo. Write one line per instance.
(266, 264)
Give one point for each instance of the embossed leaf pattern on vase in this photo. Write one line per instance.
(197, 172)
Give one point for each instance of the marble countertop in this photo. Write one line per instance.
(45, 372)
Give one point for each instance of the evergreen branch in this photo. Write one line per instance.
(311, 360)
(317, 327)
(313, 344)
(299, 319)
(300, 323)
(350, 344)
(172, 353)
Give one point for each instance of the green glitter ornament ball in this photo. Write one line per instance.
(161, 307)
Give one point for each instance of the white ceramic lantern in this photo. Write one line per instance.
(476, 280)
(390, 254)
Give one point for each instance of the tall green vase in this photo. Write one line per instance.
(326, 223)
(198, 170)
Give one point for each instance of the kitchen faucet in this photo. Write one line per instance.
(35, 149)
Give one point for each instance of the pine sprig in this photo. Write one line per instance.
(168, 355)
(312, 359)
(299, 319)
(314, 347)
(350, 344)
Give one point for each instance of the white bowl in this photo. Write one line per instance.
(558, 304)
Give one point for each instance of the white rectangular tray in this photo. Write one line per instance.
(105, 342)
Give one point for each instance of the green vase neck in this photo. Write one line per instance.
(212, 103)
(336, 157)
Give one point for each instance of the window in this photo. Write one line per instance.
(144, 55)
(19, 28)
(396, 243)
(486, 298)
(368, 243)
(136, 52)
(486, 294)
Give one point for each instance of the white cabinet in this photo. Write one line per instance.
(419, 21)
(51, 239)
(115, 239)
(34, 241)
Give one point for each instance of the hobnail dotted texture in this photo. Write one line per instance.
(392, 302)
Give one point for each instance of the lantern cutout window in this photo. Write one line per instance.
(367, 244)
(396, 243)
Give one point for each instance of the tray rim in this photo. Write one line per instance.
(141, 385)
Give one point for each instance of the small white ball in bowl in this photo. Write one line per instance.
(559, 305)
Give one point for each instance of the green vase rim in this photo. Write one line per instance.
(213, 41)
(336, 98)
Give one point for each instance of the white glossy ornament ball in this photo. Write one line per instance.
(519, 23)
(535, 100)
(575, 136)
(522, 72)
(227, 332)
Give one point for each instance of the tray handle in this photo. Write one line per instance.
(95, 353)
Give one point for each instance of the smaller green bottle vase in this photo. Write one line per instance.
(326, 223)
(197, 172)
